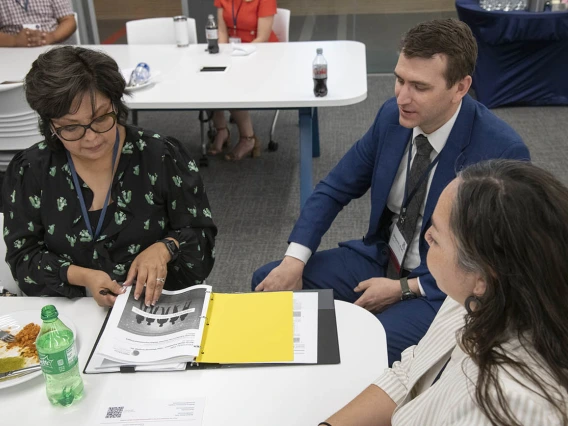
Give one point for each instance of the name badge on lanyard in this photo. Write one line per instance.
(234, 38)
(398, 247)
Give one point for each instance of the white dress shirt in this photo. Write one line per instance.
(438, 140)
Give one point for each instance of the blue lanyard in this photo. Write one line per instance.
(236, 16)
(408, 197)
(80, 193)
(25, 5)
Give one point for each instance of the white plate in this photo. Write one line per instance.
(151, 80)
(16, 321)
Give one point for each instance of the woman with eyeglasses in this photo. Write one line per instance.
(98, 202)
(496, 353)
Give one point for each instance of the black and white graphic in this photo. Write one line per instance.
(172, 313)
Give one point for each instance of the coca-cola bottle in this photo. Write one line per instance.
(212, 34)
(319, 68)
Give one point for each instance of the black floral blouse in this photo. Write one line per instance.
(157, 193)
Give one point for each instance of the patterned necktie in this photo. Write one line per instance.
(408, 225)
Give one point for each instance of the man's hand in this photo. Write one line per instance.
(286, 276)
(22, 38)
(378, 294)
(35, 38)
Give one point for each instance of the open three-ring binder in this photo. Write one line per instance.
(197, 328)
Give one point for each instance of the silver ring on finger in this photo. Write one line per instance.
(162, 280)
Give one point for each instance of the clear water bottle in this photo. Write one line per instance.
(319, 68)
(212, 35)
(140, 75)
(57, 353)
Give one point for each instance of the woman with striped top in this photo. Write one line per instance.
(496, 353)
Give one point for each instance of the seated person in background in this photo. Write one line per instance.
(242, 21)
(99, 201)
(419, 139)
(53, 22)
(498, 248)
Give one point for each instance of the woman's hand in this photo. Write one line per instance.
(104, 289)
(149, 270)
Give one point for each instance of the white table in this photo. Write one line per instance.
(276, 76)
(289, 395)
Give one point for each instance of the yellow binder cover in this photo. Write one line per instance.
(248, 328)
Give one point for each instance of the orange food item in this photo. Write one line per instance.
(25, 339)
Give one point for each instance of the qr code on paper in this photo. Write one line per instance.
(114, 412)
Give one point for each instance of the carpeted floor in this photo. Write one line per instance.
(256, 202)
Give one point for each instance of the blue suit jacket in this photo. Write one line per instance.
(373, 162)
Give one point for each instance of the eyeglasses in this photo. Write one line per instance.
(74, 132)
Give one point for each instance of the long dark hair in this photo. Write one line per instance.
(510, 222)
(62, 75)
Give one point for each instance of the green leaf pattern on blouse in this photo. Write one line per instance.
(133, 248)
(6, 231)
(35, 201)
(174, 203)
(31, 226)
(42, 145)
(192, 211)
(70, 184)
(147, 225)
(119, 269)
(141, 144)
(162, 223)
(153, 178)
(51, 229)
(19, 243)
(207, 213)
(52, 171)
(84, 236)
(192, 166)
(72, 239)
(177, 181)
(136, 170)
(149, 198)
(127, 148)
(61, 203)
(119, 217)
(13, 196)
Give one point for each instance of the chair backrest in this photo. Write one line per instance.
(18, 122)
(6, 279)
(281, 25)
(74, 38)
(157, 31)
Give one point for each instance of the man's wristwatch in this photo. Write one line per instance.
(172, 248)
(407, 294)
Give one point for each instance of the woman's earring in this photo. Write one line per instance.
(468, 301)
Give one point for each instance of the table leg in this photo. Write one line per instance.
(315, 135)
(306, 145)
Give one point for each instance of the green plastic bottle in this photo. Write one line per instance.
(58, 358)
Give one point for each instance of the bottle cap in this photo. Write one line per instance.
(319, 50)
(49, 312)
(210, 17)
(180, 18)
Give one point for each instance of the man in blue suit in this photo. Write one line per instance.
(420, 138)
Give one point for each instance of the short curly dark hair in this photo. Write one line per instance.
(450, 37)
(63, 74)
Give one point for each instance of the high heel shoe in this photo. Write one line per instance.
(215, 150)
(253, 149)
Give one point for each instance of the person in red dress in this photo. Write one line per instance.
(244, 21)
